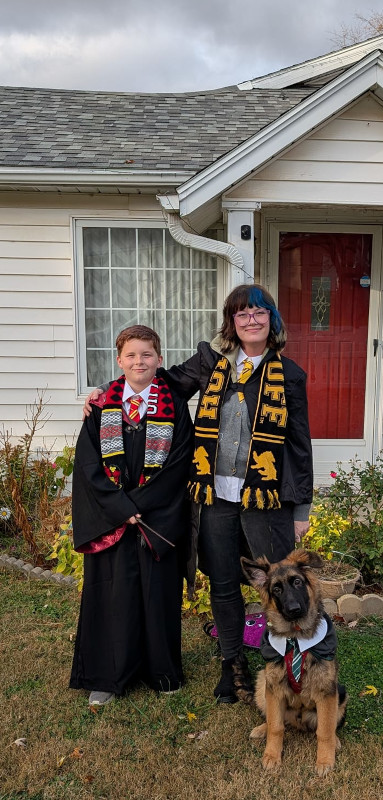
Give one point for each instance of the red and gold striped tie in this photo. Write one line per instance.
(135, 402)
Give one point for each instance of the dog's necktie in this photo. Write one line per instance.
(244, 376)
(135, 402)
(296, 664)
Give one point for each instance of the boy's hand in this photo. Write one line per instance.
(87, 409)
(134, 519)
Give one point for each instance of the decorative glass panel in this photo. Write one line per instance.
(320, 303)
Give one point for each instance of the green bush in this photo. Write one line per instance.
(32, 484)
(357, 495)
(69, 562)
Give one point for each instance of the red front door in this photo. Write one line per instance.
(325, 310)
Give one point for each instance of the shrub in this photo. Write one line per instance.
(326, 529)
(357, 494)
(348, 522)
(32, 485)
(69, 562)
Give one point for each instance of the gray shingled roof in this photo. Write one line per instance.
(103, 130)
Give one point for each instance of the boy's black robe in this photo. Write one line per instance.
(130, 620)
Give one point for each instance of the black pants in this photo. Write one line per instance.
(130, 620)
(269, 533)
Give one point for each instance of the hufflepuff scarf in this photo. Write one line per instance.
(263, 471)
(159, 429)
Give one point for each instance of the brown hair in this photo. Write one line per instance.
(138, 332)
(244, 296)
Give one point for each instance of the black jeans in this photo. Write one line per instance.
(222, 525)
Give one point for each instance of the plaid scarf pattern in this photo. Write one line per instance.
(159, 429)
(262, 479)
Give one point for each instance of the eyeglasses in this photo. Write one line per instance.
(260, 316)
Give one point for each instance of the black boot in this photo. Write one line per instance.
(236, 682)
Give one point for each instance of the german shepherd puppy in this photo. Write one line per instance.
(299, 685)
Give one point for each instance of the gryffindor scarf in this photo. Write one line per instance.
(159, 429)
(262, 479)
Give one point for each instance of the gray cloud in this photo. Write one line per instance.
(124, 45)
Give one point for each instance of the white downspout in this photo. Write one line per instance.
(238, 273)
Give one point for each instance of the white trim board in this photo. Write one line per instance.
(366, 75)
(298, 73)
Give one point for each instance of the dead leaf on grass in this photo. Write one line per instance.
(77, 753)
(369, 690)
(61, 760)
(88, 779)
(20, 742)
(197, 736)
(353, 624)
(94, 709)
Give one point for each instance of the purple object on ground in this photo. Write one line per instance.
(255, 624)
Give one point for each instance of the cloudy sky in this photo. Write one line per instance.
(163, 45)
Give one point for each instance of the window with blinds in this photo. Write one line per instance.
(139, 275)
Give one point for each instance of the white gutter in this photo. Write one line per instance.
(101, 177)
(196, 242)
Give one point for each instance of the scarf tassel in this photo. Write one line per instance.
(201, 494)
(258, 499)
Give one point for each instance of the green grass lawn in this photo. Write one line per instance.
(179, 747)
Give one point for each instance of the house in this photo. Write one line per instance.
(117, 208)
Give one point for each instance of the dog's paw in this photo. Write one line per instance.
(338, 745)
(323, 769)
(271, 762)
(259, 732)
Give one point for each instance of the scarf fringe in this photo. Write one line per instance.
(201, 494)
(256, 498)
(251, 498)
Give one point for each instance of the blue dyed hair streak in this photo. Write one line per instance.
(250, 295)
(257, 298)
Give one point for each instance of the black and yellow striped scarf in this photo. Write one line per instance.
(262, 479)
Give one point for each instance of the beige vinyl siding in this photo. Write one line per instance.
(37, 323)
(342, 162)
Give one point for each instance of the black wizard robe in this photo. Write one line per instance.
(130, 617)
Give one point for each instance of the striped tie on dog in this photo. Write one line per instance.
(296, 664)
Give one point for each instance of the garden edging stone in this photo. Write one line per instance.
(349, 606)
(36, 573)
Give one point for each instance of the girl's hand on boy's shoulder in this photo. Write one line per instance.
(87, 409)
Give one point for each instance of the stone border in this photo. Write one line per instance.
(36, 573)
(350, 606)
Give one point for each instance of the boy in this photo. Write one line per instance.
(132, 458)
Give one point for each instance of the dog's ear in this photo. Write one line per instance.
(255, 571)
(306, 558)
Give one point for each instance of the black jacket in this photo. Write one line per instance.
(297, 470)
(98, 506)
